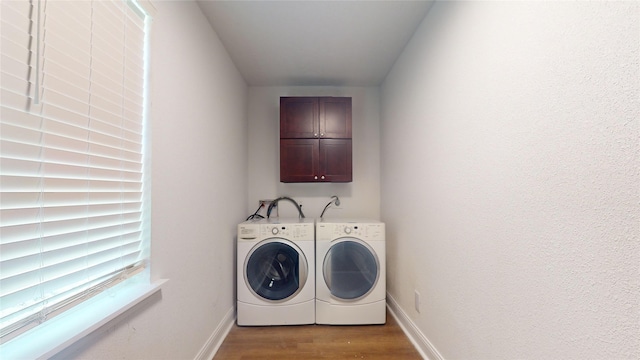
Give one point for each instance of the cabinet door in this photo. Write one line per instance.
(335, 117)
(299, 160)
(299, 117)
(335, 160)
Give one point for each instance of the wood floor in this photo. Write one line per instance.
(303, 342)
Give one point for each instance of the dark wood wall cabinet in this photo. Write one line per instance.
(315, 139)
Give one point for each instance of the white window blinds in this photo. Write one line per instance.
(71, 165)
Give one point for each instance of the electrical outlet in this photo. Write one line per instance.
(416, 295)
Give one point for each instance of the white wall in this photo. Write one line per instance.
(360, 198)
(511, 179)
(198, 119)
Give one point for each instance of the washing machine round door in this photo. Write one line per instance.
(275, 270)
(350, 269)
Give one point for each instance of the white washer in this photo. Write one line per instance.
(275, 272)
(350, 272)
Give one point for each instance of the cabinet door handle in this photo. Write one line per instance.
(315, 177)
(322, 177)
(315, 135)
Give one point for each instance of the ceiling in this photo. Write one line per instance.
(314, 43)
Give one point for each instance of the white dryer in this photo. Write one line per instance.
(275, 272)
(350, 272)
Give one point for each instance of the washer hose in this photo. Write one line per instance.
(275, 202)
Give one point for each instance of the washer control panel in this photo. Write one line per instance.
(288, 231)
(248, 231)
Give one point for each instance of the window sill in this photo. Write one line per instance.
(53, 336)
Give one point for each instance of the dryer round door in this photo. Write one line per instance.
(350, 269)
(275, 270)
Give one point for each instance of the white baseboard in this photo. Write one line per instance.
(212, 345)
(417, 338)
(421, 343)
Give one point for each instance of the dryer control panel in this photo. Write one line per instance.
(363, 231)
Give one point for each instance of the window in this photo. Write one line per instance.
(72, 187)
